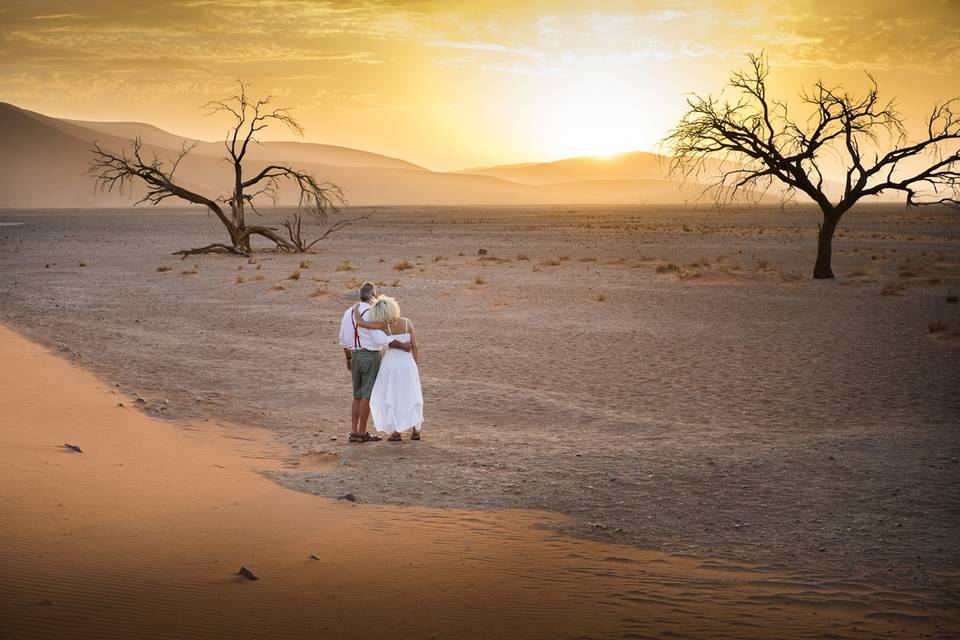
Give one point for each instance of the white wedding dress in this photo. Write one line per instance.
(396, 403)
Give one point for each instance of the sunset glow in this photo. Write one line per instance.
(457, 84)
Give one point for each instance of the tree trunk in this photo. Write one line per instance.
(822, 269)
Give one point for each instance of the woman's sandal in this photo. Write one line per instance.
(394, 437)
(415, 435)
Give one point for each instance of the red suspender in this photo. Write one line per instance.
(356, 331)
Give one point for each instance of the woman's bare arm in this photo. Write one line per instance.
(413, 343)
(366, 324)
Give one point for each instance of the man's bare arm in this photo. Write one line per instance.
(403, 346)
(349, 356)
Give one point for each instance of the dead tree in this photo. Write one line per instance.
(755, 143)
(317, 199)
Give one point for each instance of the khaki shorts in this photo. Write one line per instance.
(364, 368)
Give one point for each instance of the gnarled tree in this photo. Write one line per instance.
(317, 199)
(754, 143)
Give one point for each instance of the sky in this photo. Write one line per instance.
(452, 85)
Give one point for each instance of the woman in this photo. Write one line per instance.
(396, 403)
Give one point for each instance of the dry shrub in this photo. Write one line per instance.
(305, 264)
(258, 266)
(588, 259)
(403, 265)
(318, 292)
(240, 279)
(82, 263)
(164, 269)
(551, 262)
(439, 258)
(667, 268)
(345, 266)
(251, 260)
(952, 298)
(893, 290)
(479, 280)
(790, 276)
(461, 254)
(256, 278)
(937, 326)
(278, 287)
(240, 268)
(536, 268)
(294, 276)
(600, 297)
(395, 283)
(522, 256)
(190, 272)
(763, 265)
(563, 258)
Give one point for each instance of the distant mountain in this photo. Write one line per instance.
(636, 165)
(44, 164)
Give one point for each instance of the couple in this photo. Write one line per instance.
(387, 387)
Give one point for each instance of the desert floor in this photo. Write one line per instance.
(671, 379)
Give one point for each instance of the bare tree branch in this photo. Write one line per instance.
(316, 198)
(747, 146)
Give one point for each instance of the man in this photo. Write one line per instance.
(362, 350)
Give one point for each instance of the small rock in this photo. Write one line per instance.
(481, 252)
(141, 400)
(348, 496)
(73, 447)
(120, 404)
(333, 438)
(246, 573)
(313, 557)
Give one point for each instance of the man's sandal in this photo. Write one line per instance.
(356, 437)
(368, 437)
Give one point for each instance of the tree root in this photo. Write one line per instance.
(211, 248)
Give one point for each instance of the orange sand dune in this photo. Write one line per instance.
(142, 534)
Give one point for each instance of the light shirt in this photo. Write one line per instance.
(370, 339)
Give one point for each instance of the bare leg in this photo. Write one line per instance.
(364, 415)
(355, 415)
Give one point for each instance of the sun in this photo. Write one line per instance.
(592, 115)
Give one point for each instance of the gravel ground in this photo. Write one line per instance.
(670, 378)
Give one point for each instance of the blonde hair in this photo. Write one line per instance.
(385, 309)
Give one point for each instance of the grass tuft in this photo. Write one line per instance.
(345, 266)
(937, 326)
(667, 268)
(164, 269)
(479, 280)
(294, 276)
